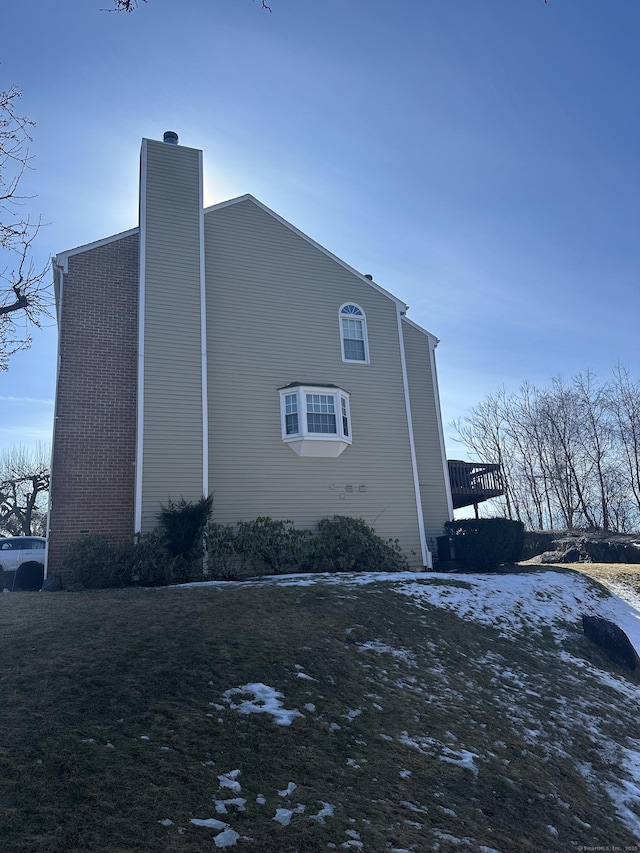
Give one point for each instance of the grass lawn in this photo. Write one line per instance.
(415, 730)
(622, 577)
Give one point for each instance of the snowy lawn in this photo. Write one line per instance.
(306, 713)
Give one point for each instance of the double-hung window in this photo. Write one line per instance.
(353, 333)
(315, 419)
(291, 414)
(321, 413)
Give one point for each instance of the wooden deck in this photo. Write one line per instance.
(473, 482)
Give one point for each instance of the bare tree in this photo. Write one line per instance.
(570, 452)
(625, 405)
(484, 432)
(24, 297)
(596, 440)
(528, 477)
(24, 486)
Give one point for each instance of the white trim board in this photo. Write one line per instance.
(141, 296)
(203, 340)
(443, 450)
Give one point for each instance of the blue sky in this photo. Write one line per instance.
(479, 157)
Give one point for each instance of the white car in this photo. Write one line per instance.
(16, 551)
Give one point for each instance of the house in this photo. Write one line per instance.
(221, 351)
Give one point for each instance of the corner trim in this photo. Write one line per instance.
(443, 452)
(203, 341)
(427, 560)
(60, 272)
(141, 297)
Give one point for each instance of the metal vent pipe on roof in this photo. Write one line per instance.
(170, 137)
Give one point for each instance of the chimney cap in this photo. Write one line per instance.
(170, 137)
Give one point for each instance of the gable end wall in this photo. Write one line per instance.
(272, 319)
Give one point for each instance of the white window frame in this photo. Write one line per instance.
(307, 443)
(362, 318)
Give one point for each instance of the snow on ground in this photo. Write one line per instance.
(512, 604)
(266, 700)
(501, 600)
(379, 646)
(229, 780)
(505, 601)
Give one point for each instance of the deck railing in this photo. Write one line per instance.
(474, 482)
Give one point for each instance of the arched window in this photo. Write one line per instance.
(353, 333)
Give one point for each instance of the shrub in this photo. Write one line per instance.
(485, 543)
(182, 523)
(236, 550)
(345, 544)
(94, 562)
(147, 560)
(227, 556)
(275, 544)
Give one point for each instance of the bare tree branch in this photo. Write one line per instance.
(132, 5)
(24, 296)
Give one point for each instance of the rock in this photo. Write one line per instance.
(52, 584)
(536, 542)
(612, 640)
(533, 561)
(595, 546)
(609, 551)
(549, 557)
(570, 555)
(560, 555)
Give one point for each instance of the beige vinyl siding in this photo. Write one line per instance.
(272, 319)
(172, 449)
(425, 432)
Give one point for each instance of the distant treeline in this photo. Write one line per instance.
(570, 452)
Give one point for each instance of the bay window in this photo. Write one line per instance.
(315, 419)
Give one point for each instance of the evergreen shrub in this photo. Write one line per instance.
(228, 556)
(486, 543)
(147, 560)
(182, 523)
(172, 553)
(95, 563)
(345, 544)
(273, 543)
